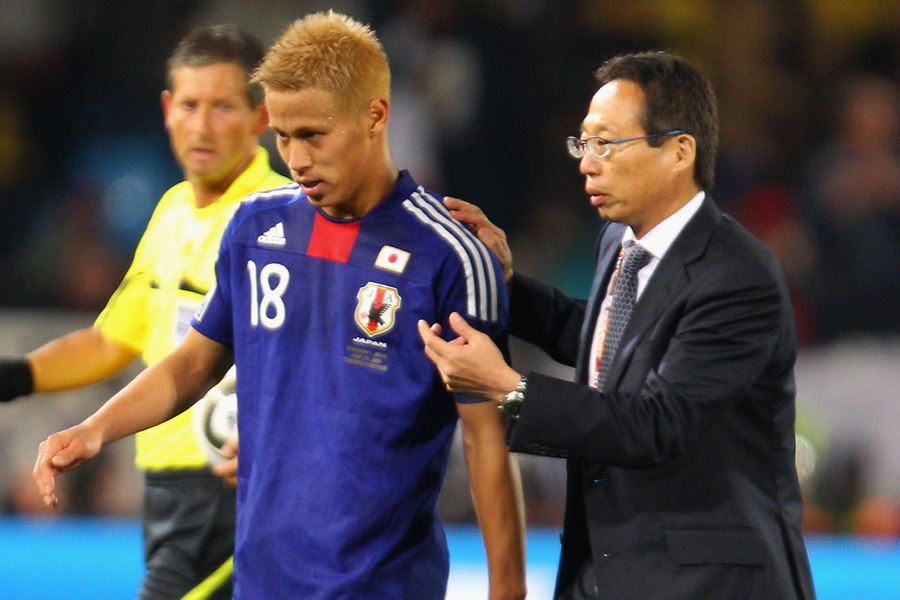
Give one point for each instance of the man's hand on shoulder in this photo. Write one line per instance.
(492, 236)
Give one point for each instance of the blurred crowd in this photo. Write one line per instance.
(484, 93)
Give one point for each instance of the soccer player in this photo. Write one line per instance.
(214, 117)
(345, 426)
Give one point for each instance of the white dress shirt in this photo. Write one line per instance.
(657, 242)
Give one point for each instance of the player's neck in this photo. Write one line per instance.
(374, 189)
(204, 196)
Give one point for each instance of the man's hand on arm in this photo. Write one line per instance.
(471, 363)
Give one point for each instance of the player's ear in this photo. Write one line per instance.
(377, 115)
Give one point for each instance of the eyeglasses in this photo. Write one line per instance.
(600, 147)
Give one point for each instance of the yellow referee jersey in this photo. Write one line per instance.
(172, 269)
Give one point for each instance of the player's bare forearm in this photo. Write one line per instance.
(497, 496)
(80, 358)
(157, 394)
(164, 389)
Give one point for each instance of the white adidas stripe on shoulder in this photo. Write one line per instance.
(279, 191)
(481, 280)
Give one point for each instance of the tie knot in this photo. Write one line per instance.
(636, 258)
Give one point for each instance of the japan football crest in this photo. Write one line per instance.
(375, 310)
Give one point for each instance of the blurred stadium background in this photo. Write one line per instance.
(485, 92)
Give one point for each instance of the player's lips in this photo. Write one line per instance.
(311, 187)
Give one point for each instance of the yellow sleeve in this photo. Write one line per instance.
(124, 318)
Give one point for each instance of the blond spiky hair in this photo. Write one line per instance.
(331, 52)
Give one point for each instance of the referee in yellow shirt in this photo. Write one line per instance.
(214, 118)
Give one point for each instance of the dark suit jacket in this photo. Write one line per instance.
(681, 475)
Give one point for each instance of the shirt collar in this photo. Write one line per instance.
(658, 240)
(248, 181)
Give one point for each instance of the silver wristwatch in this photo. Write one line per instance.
(511, 404)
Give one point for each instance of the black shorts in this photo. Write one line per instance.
(188, 535)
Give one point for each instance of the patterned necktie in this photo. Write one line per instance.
(624, 294)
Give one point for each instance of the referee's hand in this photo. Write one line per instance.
(61, 452)
(228, 470)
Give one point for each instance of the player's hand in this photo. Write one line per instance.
(471, 363)
(228, 470)
(492, 236)
(61, 452)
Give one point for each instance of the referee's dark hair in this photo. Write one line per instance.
(212, 44)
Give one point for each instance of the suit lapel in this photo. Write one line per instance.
(670, 276)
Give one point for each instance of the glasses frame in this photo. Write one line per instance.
(576, 146)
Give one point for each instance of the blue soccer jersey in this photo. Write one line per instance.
(345, 427)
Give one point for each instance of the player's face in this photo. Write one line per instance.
(631, 185)
(334, 156)
(212, 128)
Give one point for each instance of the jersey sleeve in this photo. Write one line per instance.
(125, 316)
(473, 286)
(123, 319)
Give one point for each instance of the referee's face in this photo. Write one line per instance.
(212, 128)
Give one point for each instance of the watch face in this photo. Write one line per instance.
(512, 402)
(512, 406)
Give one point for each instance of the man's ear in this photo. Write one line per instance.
(687, 147)
(378, 113)
(165, 99)
(686, 151)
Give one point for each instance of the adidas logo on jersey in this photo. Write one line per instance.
(274, 236)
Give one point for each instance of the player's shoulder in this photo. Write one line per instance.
(428, 221)
(265, 200)
(252, 206)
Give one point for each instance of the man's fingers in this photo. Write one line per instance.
(457, 204)
(430, 335)
(44, 472)
(230, 447)
(227, 471)
(461, 327)
(466, 213)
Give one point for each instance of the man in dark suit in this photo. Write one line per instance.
(679, 427)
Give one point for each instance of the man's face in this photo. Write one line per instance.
(633, 184)
(329, 152)
(212, 128)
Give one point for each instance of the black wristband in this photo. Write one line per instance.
(15, 379)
